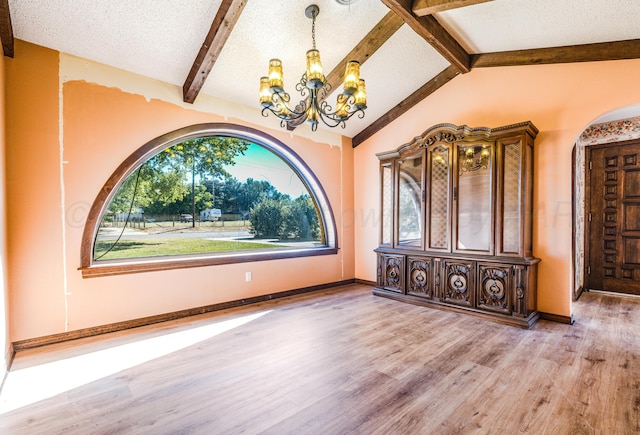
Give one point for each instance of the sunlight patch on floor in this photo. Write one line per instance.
(24, 387)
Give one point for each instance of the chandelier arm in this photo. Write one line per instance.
(300, 111)
(344, 101)
(293, 116)
(301, 86)
(334, 122)
(325, 91)
(359, 112)
(281, 100)
(326, 109)
(267, 109)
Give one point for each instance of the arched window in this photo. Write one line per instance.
(204, 195)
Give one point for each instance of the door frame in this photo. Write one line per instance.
(576, 290)
(587, 201)
(595, 133)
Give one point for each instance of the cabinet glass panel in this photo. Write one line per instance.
(439, 198)
(512, 199)
(387, 204)
(410, 202)
(474, 197)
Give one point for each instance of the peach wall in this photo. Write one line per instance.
(100, 126)
(34, 201)
(5, 339)
(561, 100)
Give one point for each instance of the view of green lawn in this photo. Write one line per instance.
(151, 247)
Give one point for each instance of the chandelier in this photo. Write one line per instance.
(314, 89)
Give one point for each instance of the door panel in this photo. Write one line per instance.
(613, 249)
(473, 198)
(439, 186)
(391, 272)
(494, 291)
(459, 285)
(419, 277)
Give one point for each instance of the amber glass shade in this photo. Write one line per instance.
(276, 81)
(315, 77)
(361, 95)
(342, 108)
(266, 100)
(312, 115)
(283, 110)
(351, 77)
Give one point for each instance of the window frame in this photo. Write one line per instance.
(91, 268)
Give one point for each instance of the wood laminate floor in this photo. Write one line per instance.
(335, 362)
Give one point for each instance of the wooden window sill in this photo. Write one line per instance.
(121, 267)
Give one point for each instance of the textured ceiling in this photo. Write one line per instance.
(503, 25)
(160, 38)
(154, 38)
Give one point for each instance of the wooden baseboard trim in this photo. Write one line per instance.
(31, 343)
(568, 320)
(365, 282)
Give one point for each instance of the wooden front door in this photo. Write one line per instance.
(613, 218)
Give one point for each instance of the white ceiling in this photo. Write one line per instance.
(504, 25)
(160, 38)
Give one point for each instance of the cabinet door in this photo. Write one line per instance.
(510, 198)
(458, 282)
(473, 198)
(410, 202)
(439, 195)
(495, 283)
(419, 277)
(391, 272)
(386, 204)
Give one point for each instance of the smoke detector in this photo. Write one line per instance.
(346, 2)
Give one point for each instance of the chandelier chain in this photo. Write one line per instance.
(313, 31)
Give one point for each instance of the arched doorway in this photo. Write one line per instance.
(616, 126)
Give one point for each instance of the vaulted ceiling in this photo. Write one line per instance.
(408, 49)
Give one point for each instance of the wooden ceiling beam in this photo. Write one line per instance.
(432, 31)
(363, 50)
(221, 28)
(6, 29)
(381, 32)
(427, 89)
(428, 7)
(618, 50)
(629, 49)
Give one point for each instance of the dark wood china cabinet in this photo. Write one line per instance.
(456, 222)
